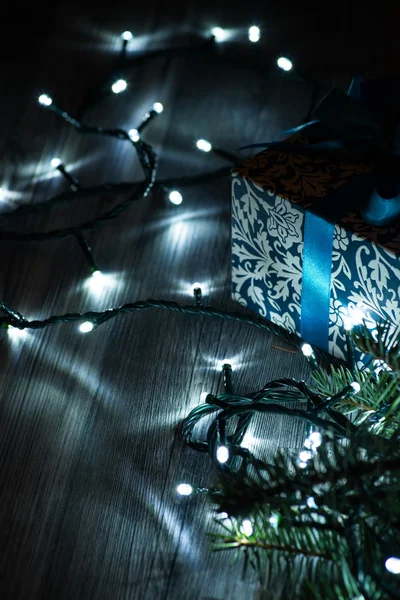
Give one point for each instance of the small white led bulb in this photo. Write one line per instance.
(86, 327)
(97, 274)
(158, 107)
(184, 489)
(119, 86)
(254, 33)
(16, 333)
(274, 520)
(203, 145)
(305, 455)
(126, 36)
(307, 350)
(196, 285)
(356, 386)
(45, 100)
(393, 565)
(356, 315)
(347, 323)
(247, 527)
(55, 162)
(134, 135)
(222, 454)
(311, 502)
(284, 63)
(218, 33)
(175, 197)
(221, 363)
(315, 439)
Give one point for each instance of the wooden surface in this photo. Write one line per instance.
(90, 440)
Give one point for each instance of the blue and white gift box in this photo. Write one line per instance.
(304, 252)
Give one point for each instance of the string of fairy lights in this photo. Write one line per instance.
(225, 449)
(138, 190)
(14, 321)
(134, 136)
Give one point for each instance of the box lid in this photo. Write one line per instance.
(326, 185)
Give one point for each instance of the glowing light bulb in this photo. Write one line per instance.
(307, 350)
(184, 489)
(119, 86)
(284, 63)
(223, 515)
(274, 520)
(356, 386)
(175, 197)
(305, 455)
(203, 396)
(221, 363)
(356, 315)
(254, 33)
(218, 33)
(315, 440)
(247, 527)
(222, 454)
(86, 327)
(126, 36)
(45, 100)
(15, 331)
(203, 145)
(56, 162)
(311, 503)
(204, 287)
(393, 565)
(97, 282)
(158, 107)
(347, 323)
(134, 135)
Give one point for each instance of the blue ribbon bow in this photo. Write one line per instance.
(360, 125)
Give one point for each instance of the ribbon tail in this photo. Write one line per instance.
(316, 284)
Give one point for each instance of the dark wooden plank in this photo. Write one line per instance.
(90, 444)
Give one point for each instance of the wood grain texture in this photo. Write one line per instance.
(90, 442)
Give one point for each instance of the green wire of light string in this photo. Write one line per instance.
(266, 400)
(148, 161)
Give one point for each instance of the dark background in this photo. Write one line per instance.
(90, 442)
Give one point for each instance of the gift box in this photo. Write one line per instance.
(303, 254)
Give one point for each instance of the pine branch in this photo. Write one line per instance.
(383, 343)
(322, 524)
(377, 402)
(354, 484)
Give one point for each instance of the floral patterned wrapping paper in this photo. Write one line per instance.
(271, 192)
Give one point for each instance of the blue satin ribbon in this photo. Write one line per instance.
(316, 284)
(362, 123)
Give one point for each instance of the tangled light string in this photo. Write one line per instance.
(222, 447)
(148, 161)
(226, 450)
